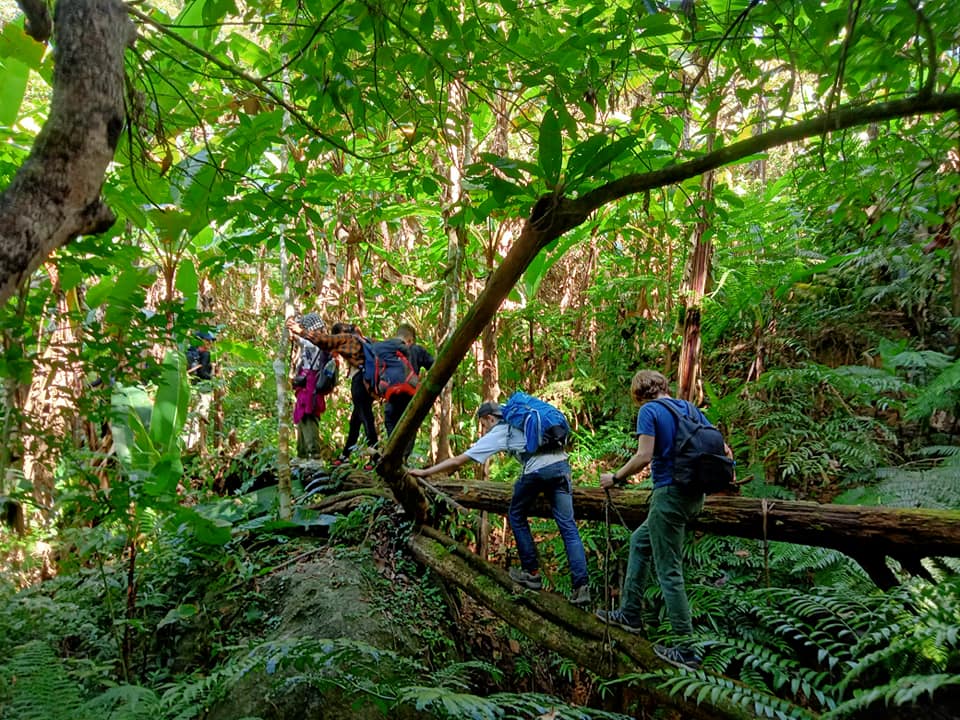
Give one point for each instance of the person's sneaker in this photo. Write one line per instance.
(580, 596)
(678, 656)
(529, 580)
(616, 617)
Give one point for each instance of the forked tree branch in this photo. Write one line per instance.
(553, 215)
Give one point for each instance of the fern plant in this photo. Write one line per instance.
(832, 651)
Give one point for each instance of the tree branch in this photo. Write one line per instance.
(553, 215)
(38, 24)
(55, 196)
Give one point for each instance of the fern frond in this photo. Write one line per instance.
(537, 705)
(698, 686)
(905, 690)
(39, 689)
(443, 702)
(125, 702)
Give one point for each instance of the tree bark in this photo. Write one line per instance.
(554, 623)
(55, 196)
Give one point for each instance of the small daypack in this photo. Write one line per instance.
(387, 369)
(544, 427)
(699, 462)
(328, 375)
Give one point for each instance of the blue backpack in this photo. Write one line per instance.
(544, 427)
(387, 369)
(700, 464)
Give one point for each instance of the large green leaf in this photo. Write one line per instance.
(130, 416)
(169, 413)
(206, 530)
(550, 148)
(187, 283)
(13, 86)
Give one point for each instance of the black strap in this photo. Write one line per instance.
(673, 411)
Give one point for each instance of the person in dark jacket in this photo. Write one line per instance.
(422, 361)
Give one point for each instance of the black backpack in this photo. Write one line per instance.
(700, 464)
(328, 375)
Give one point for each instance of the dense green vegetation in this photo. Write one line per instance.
(374, 162)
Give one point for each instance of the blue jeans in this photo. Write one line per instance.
(556, 482)
(660, 538)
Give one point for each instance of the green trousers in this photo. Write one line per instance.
(308, 437)
(660, 538)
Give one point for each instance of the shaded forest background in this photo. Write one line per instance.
(375, 163)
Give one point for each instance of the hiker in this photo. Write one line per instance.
(546, 472)
(348, 344)
(362, 413)
(199, 365)
(310, 385)
(420, 360)
(660, 537)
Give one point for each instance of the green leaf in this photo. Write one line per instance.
(188, 283)
(13, 86)
(211, 532)
(129, 414)
(175, 615)
(17, 45)
(164, 476)
(551, 148)
(170, 406)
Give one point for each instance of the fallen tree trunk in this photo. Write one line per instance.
(866, 534)
(554, 623)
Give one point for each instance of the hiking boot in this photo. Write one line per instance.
(528, 580)
(580, 596)
(679, 657)
(616, 617)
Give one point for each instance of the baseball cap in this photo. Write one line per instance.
(488, 408)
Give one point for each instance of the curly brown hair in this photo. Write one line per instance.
(646, 385)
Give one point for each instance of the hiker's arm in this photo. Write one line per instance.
(447, 466)
(634, 465)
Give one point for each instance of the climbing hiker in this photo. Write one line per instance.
(420, 361)
(545, 471)
(314, 378)
(361, 415)
(349, 346)
(660, 537)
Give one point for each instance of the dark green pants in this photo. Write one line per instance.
(308, 437)
(660, 539)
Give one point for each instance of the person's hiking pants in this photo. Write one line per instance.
(660, 538)
(362, 415)
(556, 482)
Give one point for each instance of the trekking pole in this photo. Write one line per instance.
(607, 599)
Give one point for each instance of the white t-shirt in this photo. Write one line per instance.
(504, 438)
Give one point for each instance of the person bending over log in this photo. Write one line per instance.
(544, 472)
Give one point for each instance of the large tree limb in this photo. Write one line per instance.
(866, 534)
(553, 215)
(552, 622)
(55, 196)
(39, 25)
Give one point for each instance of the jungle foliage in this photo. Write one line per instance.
(390, 151)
